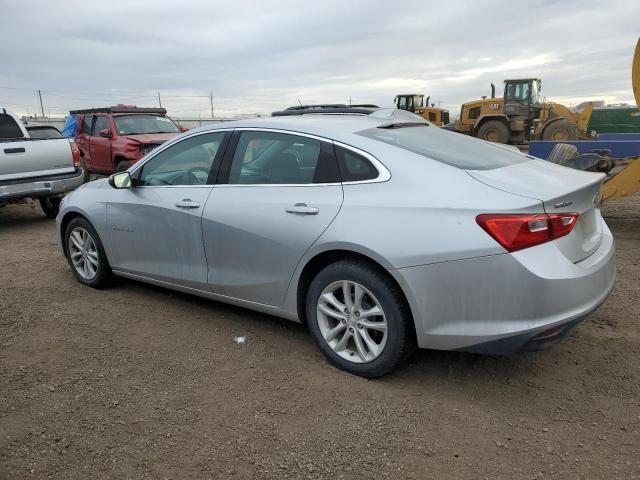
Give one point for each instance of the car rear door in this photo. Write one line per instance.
(155, 227)
(277, 192)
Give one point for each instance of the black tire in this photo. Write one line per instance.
(494, 131)
(562, 153)
(50, 206)
(103, 275)
(400, 341)
(86, 174)
(122, 166)
(560, 131)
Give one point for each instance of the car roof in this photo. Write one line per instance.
(338, 127)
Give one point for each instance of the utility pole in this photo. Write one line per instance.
(41, 107)
(159, 100)
(211, 101)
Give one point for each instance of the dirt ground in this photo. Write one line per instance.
(140, 382)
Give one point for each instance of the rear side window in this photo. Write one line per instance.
(451, 148)
(354, 167)
(87, 120)
(9, 128)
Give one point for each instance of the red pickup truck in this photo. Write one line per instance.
(113, 138)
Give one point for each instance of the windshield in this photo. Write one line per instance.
(447, 147)
(139, 124)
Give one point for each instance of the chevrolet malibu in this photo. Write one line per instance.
(380, 232)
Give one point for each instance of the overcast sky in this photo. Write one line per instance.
(258, 56)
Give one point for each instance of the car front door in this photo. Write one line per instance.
(277, 192)
(100, 145)
(155, 227)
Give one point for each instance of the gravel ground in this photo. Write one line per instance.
(140, 382)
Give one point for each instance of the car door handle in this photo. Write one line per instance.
(302, 209)
(14, 150)
(187, 203)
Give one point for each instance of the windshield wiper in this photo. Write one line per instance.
(403, 125)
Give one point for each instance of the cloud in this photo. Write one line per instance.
(260, 56)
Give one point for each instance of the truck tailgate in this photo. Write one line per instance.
(35, 158)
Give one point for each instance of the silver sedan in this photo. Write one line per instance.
(380, 232)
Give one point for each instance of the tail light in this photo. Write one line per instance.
(517, 231)
(75, 153)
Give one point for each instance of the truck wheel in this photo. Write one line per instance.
(50, 206)
(560, 131)
(562, 153)
(122, 166)
(86, 175)
(494, 131)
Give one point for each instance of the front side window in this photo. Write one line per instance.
(518, 92)
(187, 162)
(143, 124)
(101, 123)
(279, 158)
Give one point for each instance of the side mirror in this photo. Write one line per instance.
(183, 129)
(105, 133)
(120, 180)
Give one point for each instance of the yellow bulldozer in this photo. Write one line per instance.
(414, 102)
(521, 115)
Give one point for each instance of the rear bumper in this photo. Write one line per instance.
(502, 303)
(40, 187)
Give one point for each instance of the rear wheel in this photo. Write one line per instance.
(562, 153)
(50, 206)
(494, 131)
(560, 131)
(359, 320)
(86, 255)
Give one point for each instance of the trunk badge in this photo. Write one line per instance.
(563, 204)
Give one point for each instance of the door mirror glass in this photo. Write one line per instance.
(120, 180)
(105, 133)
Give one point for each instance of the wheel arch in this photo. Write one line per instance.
(320, 260)
(64, 223)
(486, 118)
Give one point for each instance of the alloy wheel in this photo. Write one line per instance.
(83, 253)
(352, 321)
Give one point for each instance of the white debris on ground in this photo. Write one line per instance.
(240, 340)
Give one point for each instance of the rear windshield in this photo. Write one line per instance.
(452, 148)
(139, 124)
(9, 128)
(44, 132)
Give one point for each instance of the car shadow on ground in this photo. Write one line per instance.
(13, 216)
(423, 365)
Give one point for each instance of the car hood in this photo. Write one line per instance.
(152, 138)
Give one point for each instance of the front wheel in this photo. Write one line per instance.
(50, 206)
(359, 319)
(86, 255)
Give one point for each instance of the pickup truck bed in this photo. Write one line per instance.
(43, 169)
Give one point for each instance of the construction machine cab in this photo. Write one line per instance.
(522, 97)
(410, 102)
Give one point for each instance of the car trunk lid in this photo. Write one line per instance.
(560, 190)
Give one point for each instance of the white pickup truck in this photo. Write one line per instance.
(37, 168)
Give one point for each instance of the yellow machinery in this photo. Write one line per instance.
(521, 115)
(415, 103)
(623, 173)
(627, 180)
